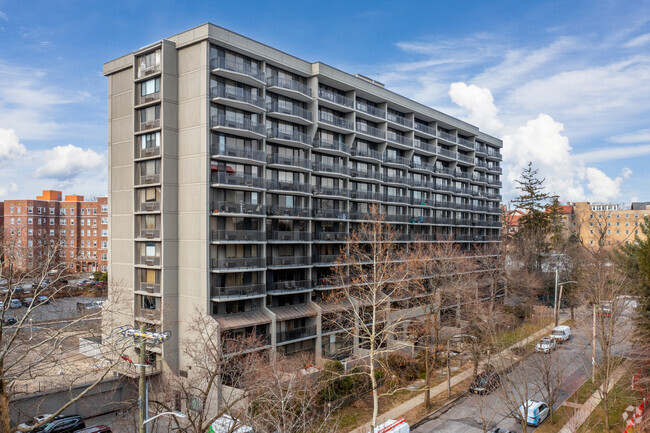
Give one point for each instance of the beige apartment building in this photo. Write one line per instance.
(237, 172)
(608, 225)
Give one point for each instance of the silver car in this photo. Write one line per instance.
(545, 345)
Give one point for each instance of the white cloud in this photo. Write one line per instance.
(479, 103)
(66, 162)
(602, 187)
(632, 137)
(638, 41)
(10, 146)
(11, 188)
(612, 153)
(3, 16)
(626, 173)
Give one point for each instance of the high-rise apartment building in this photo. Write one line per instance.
(71, 231)
(608, 225)
(237, 171)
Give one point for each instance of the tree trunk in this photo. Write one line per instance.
(427, 378)
(5, 419)
(375, 396)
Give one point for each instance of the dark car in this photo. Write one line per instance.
(485, 382)
(95, 429)
(501, 430)
(63, 424)
(27, 302)
(9, 320)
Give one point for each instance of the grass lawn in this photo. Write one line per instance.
(623, 397)
(562, 415)
(510, 336)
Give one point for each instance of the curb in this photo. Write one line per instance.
(441, 410)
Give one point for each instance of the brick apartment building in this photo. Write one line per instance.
(74, 230)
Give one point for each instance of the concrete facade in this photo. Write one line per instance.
(237, 171)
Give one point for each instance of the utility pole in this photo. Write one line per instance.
(448, 372)
(593, 348)
(143, 380)
(555, 306)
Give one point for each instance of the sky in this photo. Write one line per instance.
(565, 85)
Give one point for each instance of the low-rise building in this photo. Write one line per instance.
(609, 225)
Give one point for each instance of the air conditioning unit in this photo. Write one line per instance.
(149, 262)
(149, 151)
(149, 206)
(149, 235)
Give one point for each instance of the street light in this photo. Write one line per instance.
(176, 414)
(556, 309)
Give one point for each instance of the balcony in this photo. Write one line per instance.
(424, 146)
(244, 127)
(284, 211)
(465, 142)
(144, 286)
(289, 137)
(493, 153)
(238, 152)
(477, 177)
(397, 198)
(288, 261)
(247, 73)
(146, 126)
(238, 98)
(445, 170)
(278, 159)
(145, 71)
(330, 213)
(495, 182)
(445, 152)
(291, 113)
(288, 87)
(420, 183)
(398, 218)
(426, 129)
(481, 148)
(421, 165)
(234, 292)
(239, 180)
(331, 168)
(151, 97)
(336, 121)
(330, 190)
(396, 159)
(149, 260)
(398, 179)
(237, 235)
(371, 131)
(444, 221)
(149, 206)
(338, 146)
(295, 334)
(147, 152)
(399, 119)
(237, 263)
(228, 207)
(465, 158)
(325, 259)
(367, 174)
(495, 168)
(147, 234)
(285, 185)
(288, 236)
(369, 109)
(282, 287)
(366, 153)
(331, 236)
(147, 314)
(447, 136)
(148, 179)
(366, 195)
(335, 98)
(399, 139)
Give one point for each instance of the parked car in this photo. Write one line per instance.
(485, 382)
(2, 305)
(35, 420)
(501, 430)
(27, 288)
(537, 412)
(605, 309)
(42, 300)
(95, 429)
(9, 320)
(64, 424)
(27, 302)
(561, 333)
(15, 303)
(89, 305)
(546, 344)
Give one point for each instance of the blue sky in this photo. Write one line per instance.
(564, 84)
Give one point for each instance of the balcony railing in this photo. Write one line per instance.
(422, 145)
(283, 185)
(369, 153)
(330, 119)
(221, 91)
(243, 124)
(396, 138)
(238, 180)
(289, 136)
(445, 152)
(149, 260)
(367, 174)
(331, 168)
(465, 158)
(495, 168)
(370, 130)
(288, 236)
(276, 210)
(146, 179)
(444, 170)
(465, 142)
(325, 258)
(241, 68)
(397, 198)
(333, 145)
(144, 286)
(423, 165)
(293, 285)
(366, 195)
(237, 208)
(289, 84)
(396, 118)
(147, 313)
(238, 291)
(293, 110)
(148, 234)
(237, 235)
(369, 109)
(424, 128)
(330, 213)
(151, 97)
(423, 183)
(147, 152)
(295, 334)
(288, 261)
(150, 124)
(447, 136)
(276, 158)
(238, 152)
(150, 206)
(335, 98)
(396, 159)
(391, 178)
(144, 71)
(330, 190)
(398, 217)
(331, 236)
(238, 262)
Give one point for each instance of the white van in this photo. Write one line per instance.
(561, 333)
(392, 426)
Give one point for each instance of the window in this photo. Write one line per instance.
(51, 211)
(30, 243)
(104, 257)
(104, 244)
(94, 211)
(30, 232)
(82, 221)
(150, 114)
(62, 211)
(51, 221)
(104, 232)
(104, 220)
(148, 62)
(51, 232)
(150, 87)
(30, 221)
(147, 141)
(83, 211)
(104, 208)
(30, 209)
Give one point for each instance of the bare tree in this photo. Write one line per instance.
(515, 392)
(549, 378)
(371, 272)
(35, 354)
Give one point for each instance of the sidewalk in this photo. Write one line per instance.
(592, 402)
(399, 411)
